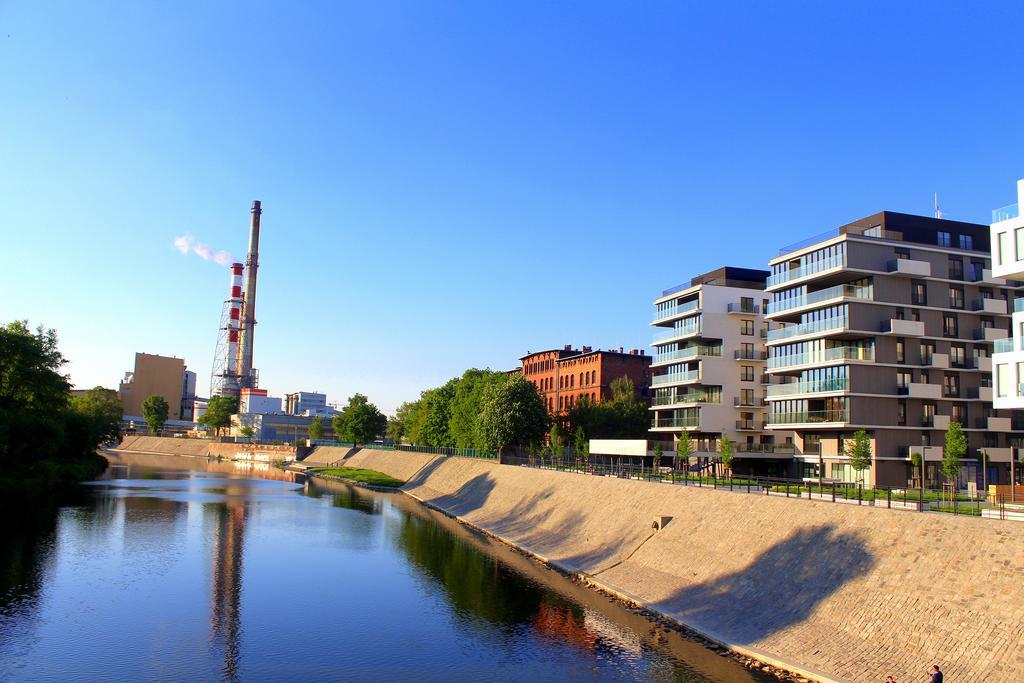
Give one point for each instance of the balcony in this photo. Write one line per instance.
(691, 327)
(673, 311)
(740, 307)
(983, 393)
(836, 353)
(999, 424)
(676, 378)
(813, 268)
(1005, 213)
(815, 387)
(920, 390)
(928, 453)
(1018, 305)
(986, 276)
(740, 402)
(990, 305)
(821, 296)
(990, 334)
(748, 425)
(686, 353)
(676, 423)
(740, 354)
(998, 454)
(903, 328)
(1004, 345)
(939, 422)
(937, 360)
(809, 417)
(910, 268)
(817, 327)
(984, 363)
(685, 399)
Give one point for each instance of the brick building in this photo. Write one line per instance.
(564, 376)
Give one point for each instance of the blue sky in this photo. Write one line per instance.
(448, 185)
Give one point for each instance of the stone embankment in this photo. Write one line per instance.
(833, 592)
(200, 448)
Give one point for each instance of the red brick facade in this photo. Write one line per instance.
(564, 376)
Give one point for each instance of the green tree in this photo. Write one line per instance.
(956, 448)
(409, 419)
(858, 452)
(218, 413)
(579, 441)
(464, 409)
(512, 413)
(657, 454)
(555, 437)
(916, 461)
(684, 449)
(103, 410)
(632, 416)
(360, 421)
(726, 451)
(154, 412)
(316, 428)
(395, 430)
(247, 431)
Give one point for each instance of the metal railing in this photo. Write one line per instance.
(710, 475)
(818, 266)
(688, 352)
(1004, 345)
(864, 292)
(689, 397)
(676, 378)
(742, 308)
(811, 387)
(671, 311)
(676, 422)
(830, 354)
(690, 326)
(826, 325)
(808, 417)
(753, 354)
(1005, 213)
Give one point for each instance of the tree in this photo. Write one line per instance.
(464, 409)
(436, 430)
(621, 416)
(915, 460)
(858, 452)
(657, 454)
(360, 421)
(726, 450)
(395, 430)
(154, 412)
(579, 440)
(956, 448)
(512, 413)
(555, 437)
(247, 431)
(103, 410)
(316, 428)
(684, 449)
(218, 413)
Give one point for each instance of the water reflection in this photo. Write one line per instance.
(178, 569)
(225, 613)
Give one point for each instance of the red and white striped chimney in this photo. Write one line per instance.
(234, 315)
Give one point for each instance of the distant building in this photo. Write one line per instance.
(567, 375)
(279, 427)
(308, 403)
(188, 396)
(155, 375)
(257, 401)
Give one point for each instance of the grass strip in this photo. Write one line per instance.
(357, 474)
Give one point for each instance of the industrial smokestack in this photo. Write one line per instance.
(245, 372)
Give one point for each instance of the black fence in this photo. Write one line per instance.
(849, 493)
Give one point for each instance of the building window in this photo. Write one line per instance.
(956, 296)
(746, 397)
(901, 351)
(1019, 238)
(915, 315)
(904, 378)
(944, 239)
(747, 373)
(1003, 253)
(951, 386)
(1003, 380)
(975, 271)
(967, 242)
(902, 253)
(927, 351)
(747, 327)
(958, 413)
(956, 268)
(919, 294)
(950, 327)
(901, 412)
(958, 355)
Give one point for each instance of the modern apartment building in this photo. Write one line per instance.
(1007, 236)
(887, 324)
(565, 376)
(709, 362)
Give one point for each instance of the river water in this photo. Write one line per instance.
(176, 569)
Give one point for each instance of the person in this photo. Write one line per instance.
(890, 679)
(936, 674)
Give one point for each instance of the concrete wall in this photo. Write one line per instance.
(170, 446)
(837, 591)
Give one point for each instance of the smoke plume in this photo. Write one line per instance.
(187, 243)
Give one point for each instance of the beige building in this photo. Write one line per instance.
(153, 375)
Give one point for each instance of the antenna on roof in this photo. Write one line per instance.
(938, 211)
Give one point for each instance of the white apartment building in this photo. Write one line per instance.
(709, 368)
(1007, 239)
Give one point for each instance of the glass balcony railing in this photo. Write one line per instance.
(814, 387)
(810, 269)
(689, 326)
(827, 325)
(1018, 304)
(808, 417)
(677, 310)
(1005, 213)
(688, 352)
(832, 354)
(689, 397)
(866, 293)
(676, 422)
(676, 378)
(1002, 345)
